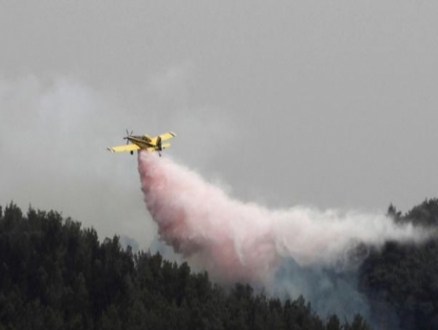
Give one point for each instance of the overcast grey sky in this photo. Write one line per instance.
(327, 103)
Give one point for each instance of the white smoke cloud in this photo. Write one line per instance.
(289, 251)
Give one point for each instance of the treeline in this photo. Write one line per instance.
(55, 275)
(401, 280)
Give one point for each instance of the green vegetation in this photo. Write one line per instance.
(401, 280)
(55, 275)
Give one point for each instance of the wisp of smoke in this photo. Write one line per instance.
(236, 241)
(244, 240)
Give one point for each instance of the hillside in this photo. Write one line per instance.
(401, 280)
(56, 275)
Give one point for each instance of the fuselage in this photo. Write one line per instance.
(144, 142)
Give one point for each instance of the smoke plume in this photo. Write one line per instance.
(237, 241)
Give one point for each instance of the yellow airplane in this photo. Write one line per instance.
(144, 142)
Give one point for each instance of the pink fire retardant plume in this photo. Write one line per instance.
(243, 241)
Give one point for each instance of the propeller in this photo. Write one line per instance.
(128, 135)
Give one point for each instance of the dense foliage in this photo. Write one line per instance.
(55, 275)
(401, 280)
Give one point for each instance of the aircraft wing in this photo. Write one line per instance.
(164, 137)
(167, 136)
(164, 146)
(126, 147)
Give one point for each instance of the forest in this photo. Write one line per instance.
(56, 275)
(400, 281)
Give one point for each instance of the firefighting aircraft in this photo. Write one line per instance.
(144, 142)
